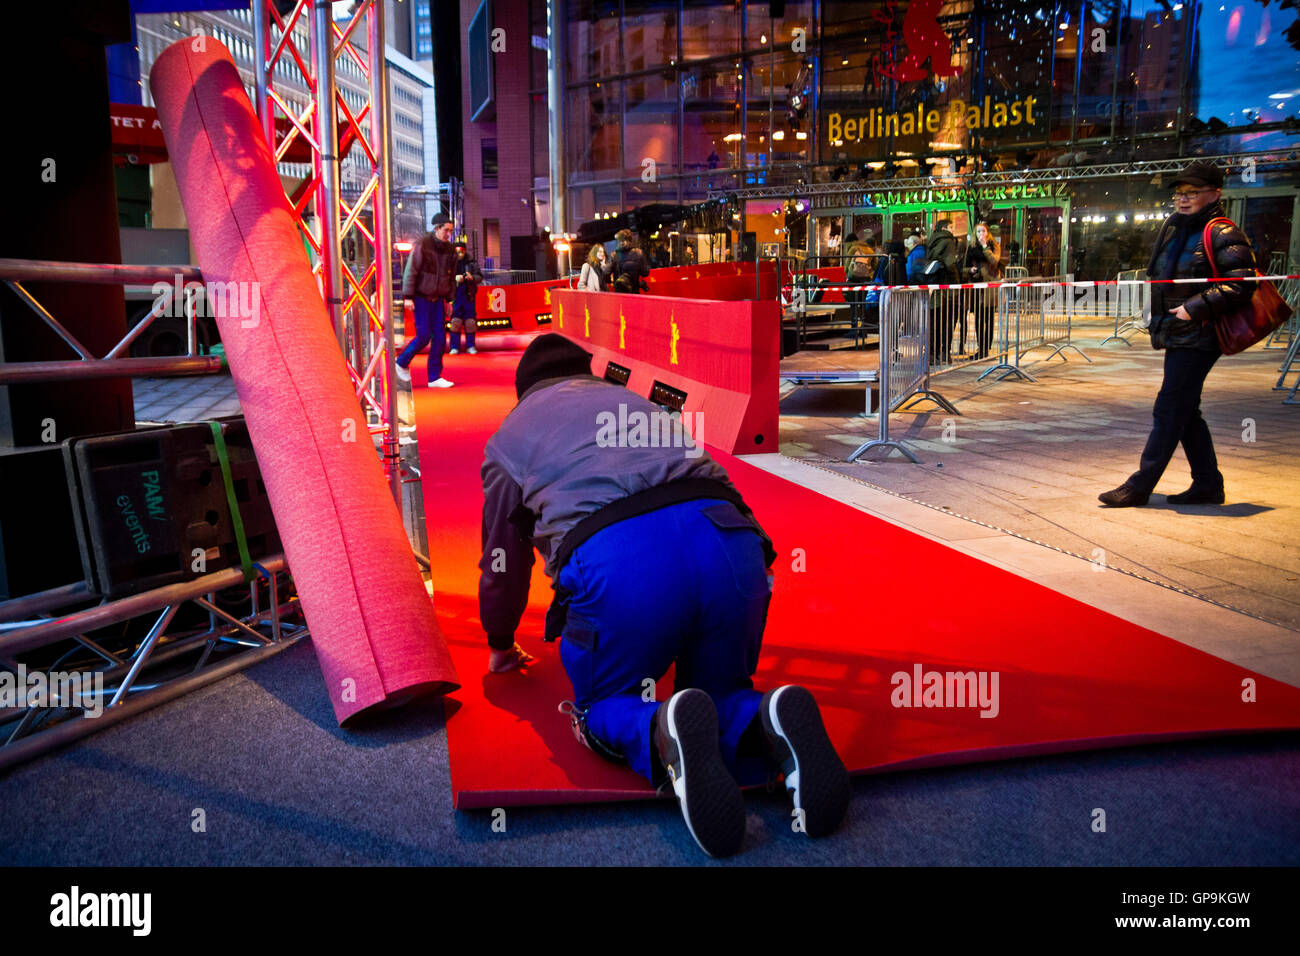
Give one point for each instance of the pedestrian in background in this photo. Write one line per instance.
(983, 264)
(630, 268)
(890, 271)
(1182, 323)
(941, 269)
(915, 266)
(596, 271)
(858, 271)
(428, 284)
(464, 308)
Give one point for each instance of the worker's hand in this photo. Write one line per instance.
(1181, 313)
(460, 278)
(516, 657)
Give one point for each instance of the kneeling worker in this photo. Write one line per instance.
(655, 560)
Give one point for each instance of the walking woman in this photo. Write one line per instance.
(1182, 323)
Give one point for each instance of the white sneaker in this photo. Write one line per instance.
(403, 374)
(441, 383)
(453, 352)
(472, 351)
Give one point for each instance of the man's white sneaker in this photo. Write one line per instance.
(403, 374)
(472, 351)
(441, 383)
(453, 351)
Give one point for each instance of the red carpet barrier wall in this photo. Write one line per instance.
(371, 619)
(718, 281)
(723, 281)
(723, 355)
(522, 303)
(836, 275)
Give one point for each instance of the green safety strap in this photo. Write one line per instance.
(241, 541)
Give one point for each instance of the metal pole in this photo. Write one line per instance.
(557, 171)
(100, 273)
(383, 208)
(159, 626)
(261, 54)
(327, 164)
(18, 373)
(16, 609)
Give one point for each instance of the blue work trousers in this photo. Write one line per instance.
(686, 584)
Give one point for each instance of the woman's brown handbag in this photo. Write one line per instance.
(1249, 323)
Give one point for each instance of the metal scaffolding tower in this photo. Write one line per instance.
(360, 306)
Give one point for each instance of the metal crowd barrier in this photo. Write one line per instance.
(1057, 303)
(964, 327)
(1289, 289)
(1288, 368)
(509, 276)
(905, 344)
(918, 324)
(1129, 305)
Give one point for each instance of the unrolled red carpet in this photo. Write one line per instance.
(858, 601)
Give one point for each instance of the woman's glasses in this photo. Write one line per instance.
(1188, 193)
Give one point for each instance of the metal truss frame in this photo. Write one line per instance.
(360, 306)
(1146, 167)
(113, 364)
(133, 674)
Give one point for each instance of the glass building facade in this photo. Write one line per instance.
(922, 108)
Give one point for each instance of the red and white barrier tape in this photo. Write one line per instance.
(1042, 284)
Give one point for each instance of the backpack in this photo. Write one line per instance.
(936, 263)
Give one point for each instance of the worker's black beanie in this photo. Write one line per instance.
(550, 356)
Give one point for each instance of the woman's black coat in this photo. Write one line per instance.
(1181, 236)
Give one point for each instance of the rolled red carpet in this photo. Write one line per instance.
(370, 617)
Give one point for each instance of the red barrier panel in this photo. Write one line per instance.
(836, 275)
(521, 304)
(724, 355)
(723, 282)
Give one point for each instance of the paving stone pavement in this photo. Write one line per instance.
(1031, 458)
(186, 399)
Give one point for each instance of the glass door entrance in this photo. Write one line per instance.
(1043, 249)
(1268, 217)
(1031, 235)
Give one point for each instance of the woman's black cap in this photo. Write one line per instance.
(1201, 174)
